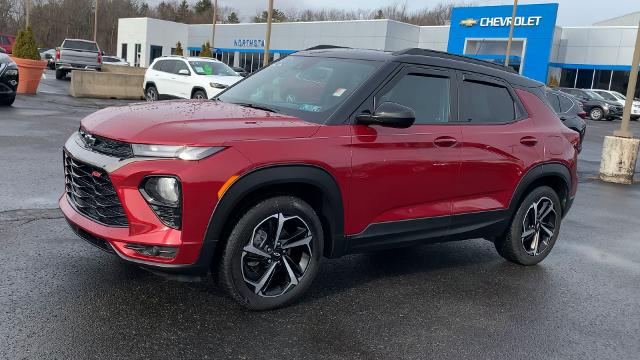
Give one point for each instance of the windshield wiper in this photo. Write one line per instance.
(256, 106)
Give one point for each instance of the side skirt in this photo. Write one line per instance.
(392, 234)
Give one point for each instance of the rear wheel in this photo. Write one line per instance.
(534, 228)
(272, 254)
(151, 94)
(61, 74)
(199, 94)
(596, 114)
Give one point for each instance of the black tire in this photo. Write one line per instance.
(515, 247)
(8, 101)
(596, 114)
(151, 94)
(61, 74)
(236, 262)
(199, 94)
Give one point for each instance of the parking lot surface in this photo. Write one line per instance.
(61, 298)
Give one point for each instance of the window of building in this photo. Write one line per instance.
(568, 77)
(428, 96)
(486, 103)
(123, 52)
(136, 54)
(601, 79)
(584, 78)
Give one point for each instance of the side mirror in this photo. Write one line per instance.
(183, 72)
(389, 114)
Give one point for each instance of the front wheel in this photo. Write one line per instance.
(8, 101)
(596, 114)
(534, 228)
(61, 74)
(199, 95)
(151, 94)
(272, 254)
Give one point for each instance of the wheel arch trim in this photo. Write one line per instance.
(540, 171)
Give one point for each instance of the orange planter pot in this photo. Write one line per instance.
(30, 74)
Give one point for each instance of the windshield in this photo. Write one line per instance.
(310, 88)
(618, 95)
(593, 95)
(80, 45)
(207, 67)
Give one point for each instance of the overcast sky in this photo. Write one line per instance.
(570, 13)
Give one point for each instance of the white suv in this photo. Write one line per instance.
(620, 99)
(171, 77)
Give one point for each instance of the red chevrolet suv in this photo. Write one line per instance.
(259, 183)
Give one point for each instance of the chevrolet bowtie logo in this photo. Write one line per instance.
(468, 22)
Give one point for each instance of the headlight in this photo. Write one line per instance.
(11, 72)
(171, 151)
(605, 106)
(217, 85)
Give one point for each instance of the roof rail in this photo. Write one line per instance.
(446, 55)
(321, 47)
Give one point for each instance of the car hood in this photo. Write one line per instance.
(225, 80)
(192, 122)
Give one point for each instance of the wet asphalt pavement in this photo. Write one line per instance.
(63, 299)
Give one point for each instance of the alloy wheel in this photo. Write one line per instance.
(152, 95)
(277, 255)
(538, 226)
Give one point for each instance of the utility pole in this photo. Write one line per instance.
(28, 10)
(631, 88)
(620, 151)
(95, 23)
(267, 42)
(513, 23)
(215, 19)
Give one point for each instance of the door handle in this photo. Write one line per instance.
(445, 141)
(528, 141)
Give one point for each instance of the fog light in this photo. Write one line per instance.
(153, 250)
(164, 195)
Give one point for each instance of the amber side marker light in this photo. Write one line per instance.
(226, 185)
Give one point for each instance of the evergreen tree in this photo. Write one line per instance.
(233, 18)
(205, 51)
(202, 6)
(178, 50)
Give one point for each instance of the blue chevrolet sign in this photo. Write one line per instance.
(482, 32)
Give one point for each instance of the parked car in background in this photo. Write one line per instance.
(240, 70)
(6, 42)
(178, 77)
(397, 149)
(9, 78)
(2, 50)
(569, 110)
(595, 105)
(620, 99)
(77, 54)
(49, 55)
(114, 60)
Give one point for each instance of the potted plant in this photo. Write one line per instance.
(30, 66)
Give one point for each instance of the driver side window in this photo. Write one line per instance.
(428, 96)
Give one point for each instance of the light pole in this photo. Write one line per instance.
(215, 19)
(95, 24)
(620, 151)
(267, 42)
(510, 39)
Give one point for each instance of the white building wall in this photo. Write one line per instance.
(434, 37)
(601, 45)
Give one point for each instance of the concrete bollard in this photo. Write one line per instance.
(619, 156)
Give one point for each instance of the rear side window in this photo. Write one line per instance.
(80, 45)
(485, 103)
(158, 65)
(554, 102)
(427, 95)
(565, 104)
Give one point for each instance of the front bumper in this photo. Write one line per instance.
(194, 253)
(8, 83)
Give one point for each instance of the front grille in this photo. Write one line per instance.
(90, 191)
(106, 146)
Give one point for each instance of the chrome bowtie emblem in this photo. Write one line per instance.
(88, 139)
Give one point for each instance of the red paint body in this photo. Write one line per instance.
(384, 174)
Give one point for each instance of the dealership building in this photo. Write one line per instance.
(595, 56)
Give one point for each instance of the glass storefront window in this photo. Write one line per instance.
(601, 79)
(568, 77)
(585, 77)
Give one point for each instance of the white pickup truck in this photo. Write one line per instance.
(77, 54)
